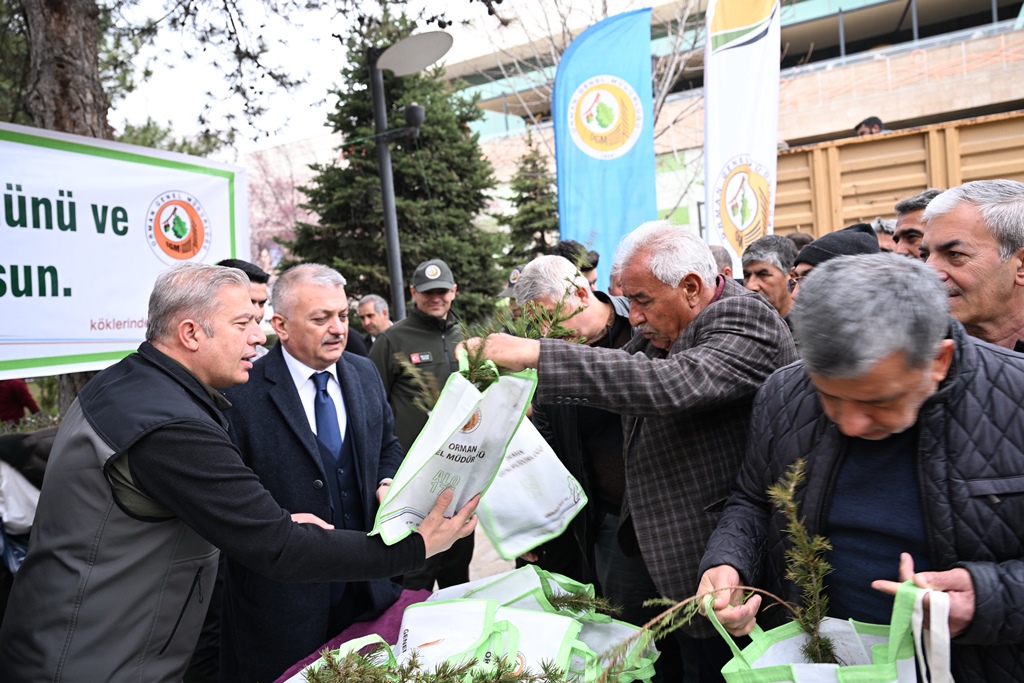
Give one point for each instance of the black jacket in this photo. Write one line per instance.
(971, 472)
(429, 344)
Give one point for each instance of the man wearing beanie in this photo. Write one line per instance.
(859, 238)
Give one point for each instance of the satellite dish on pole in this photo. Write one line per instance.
(415, 53)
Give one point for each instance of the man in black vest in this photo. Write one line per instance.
(315, 426)
(143, 486)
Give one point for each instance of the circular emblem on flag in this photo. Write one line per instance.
(605, 117)
(741, 206)
(177, 227)
(432, 272)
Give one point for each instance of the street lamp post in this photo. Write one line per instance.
(408, 56)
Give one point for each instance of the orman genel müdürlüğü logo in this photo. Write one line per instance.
(742, 201)
(177, 228)
(605, 117)
(472, 423)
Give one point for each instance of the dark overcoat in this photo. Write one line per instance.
(267, 626)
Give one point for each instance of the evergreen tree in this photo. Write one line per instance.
(440, 183)
(533, 227)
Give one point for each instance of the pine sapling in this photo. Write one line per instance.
(806, 565)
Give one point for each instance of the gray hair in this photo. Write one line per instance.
(843, 327)
(1002, 207)
(674, 252)
(189, 290)
(379, 303)
(551, 275)
(883, 226)
(281, 299)
(917, 202)
(723, 259)
(777, 250)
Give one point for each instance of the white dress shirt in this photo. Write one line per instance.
(302, 376)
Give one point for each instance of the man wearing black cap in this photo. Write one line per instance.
(859, 238)
(426, 339)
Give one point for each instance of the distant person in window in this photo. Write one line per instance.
(870, 126)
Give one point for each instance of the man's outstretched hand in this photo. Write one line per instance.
(956, 583)
(511, 353)
(439, 532)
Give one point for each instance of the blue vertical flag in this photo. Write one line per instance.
(604, 135)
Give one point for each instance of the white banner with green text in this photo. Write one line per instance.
(86, 227)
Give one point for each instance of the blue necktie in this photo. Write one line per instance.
(326, 414)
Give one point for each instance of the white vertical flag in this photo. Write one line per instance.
(741, 121)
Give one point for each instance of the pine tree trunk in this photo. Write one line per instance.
(65, 94)
(68, 388)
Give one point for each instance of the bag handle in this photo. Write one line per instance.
(508, 635)
(756, 635)
(348, 647)
(901, 625)
(932, 644)
(488, 365)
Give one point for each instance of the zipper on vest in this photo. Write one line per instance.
(195, 582)
(447, 356)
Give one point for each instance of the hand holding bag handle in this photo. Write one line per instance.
(755, 635)
(899, 627)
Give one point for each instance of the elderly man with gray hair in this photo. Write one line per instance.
(910, 432)
(974, 238)
(588, 441)
(766, 266)
(683, 386)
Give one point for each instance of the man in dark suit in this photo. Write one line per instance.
(315, 426)
(684, 387)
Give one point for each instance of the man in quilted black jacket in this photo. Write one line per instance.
(914, 446)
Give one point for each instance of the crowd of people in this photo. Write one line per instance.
(884, 355)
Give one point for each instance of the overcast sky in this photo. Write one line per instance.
(176, 92)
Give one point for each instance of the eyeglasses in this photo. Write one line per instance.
(795, 280)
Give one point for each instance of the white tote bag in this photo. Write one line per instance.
(532, 500)
(454, 631)
(461, 447)
(870, 653)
